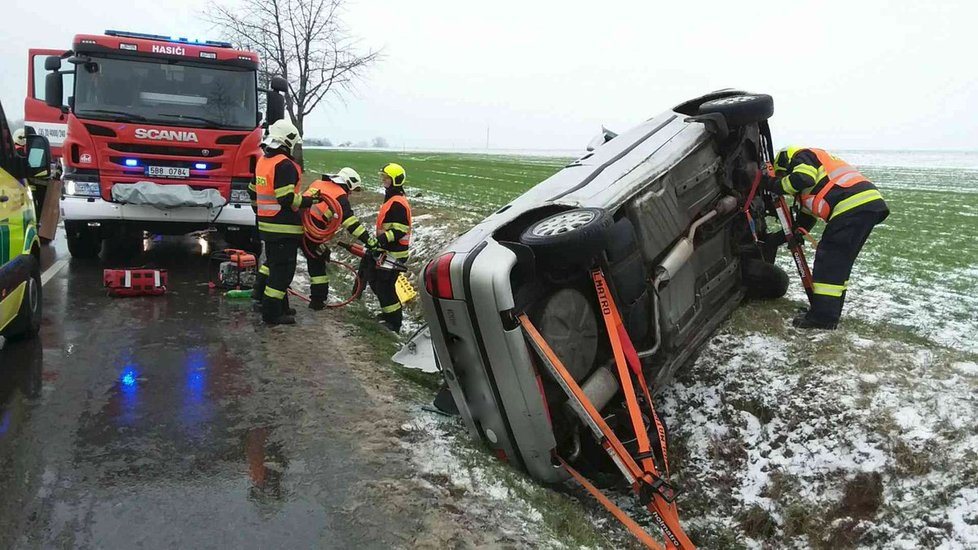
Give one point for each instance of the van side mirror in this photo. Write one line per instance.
(38, 156)
(275, 104)
(52, 63)
(53, 90)
(279, 84)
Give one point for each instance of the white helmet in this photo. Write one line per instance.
(349, 177)
(282, 133)
(20, 137)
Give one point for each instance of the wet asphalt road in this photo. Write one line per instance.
(175, 422)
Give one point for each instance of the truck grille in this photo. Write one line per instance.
(165, 150)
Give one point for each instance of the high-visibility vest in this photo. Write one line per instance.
(839, 174)
(383, 225)
(268, 205)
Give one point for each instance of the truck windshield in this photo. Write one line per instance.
(166, 92)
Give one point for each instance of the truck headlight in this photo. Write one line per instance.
(240, 196)
(77, 188)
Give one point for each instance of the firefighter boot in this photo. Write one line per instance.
(273, 312)
(289, 310)
(318, 302)
(805, 321)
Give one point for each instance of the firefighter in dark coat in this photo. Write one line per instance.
(393, 239)
(829, 189)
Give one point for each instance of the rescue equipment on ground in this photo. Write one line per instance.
(787, 221)
(405, 290)
(135, 282)
(348, 301)
(649, 482)
(236, 269)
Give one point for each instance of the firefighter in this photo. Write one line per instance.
(20, 142)
(827, 188)
(339, 187)
(279, 200)
(393, 238)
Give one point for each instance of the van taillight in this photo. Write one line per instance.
(438, 276)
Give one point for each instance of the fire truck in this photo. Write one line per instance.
(155, 134)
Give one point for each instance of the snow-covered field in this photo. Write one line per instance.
(866, 437)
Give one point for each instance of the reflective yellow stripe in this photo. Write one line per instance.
(786, 186)
(319, 279)
(806, 169)
(297, 200)
(390, 235)
(391, 308)
(820, 174)
(283, 191)
(251, 187)
(858, 199)
(263, 270)
(398, 226)
(350, 221)
(359, 231)
(280, 228)
(272, 293)
(399, 255)
(826, 289)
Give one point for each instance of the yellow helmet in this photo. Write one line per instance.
(396, 173)
(783, 159)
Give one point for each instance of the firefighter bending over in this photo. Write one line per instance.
(829, 189)
(339, 187)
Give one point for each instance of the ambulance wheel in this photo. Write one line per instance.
(83, 241)
(28, 320)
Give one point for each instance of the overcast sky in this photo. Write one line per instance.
(546, 75)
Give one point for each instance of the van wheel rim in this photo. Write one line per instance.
(563, 223)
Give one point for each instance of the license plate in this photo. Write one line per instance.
(167, 172)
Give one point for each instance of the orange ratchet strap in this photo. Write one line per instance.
(652, 490)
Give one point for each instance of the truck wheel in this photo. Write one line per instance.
(574, 236)
(28, 320)
(740, 110)
(83, 241)
(764, 281)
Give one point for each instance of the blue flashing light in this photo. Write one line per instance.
(200, 166)
(132, 162)
(129, 378)
(160, 37)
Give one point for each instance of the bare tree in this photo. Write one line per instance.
(303, 41)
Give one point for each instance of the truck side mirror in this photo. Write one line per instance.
(279, 84)
(275, 104)
(52, 63)
(38, 156)
(53, 90)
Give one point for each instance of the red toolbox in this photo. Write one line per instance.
(135, 282)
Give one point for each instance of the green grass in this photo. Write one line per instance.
(475, 183)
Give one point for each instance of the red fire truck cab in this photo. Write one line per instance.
(161, 136)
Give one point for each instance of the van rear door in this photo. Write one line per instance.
(47, 121)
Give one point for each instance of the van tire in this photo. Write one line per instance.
(764, 281)
(741, 110)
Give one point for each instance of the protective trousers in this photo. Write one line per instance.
(383, 284)
(280, 256)
(318, 279)
(841, 242)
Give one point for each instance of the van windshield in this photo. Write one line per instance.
(166, 92)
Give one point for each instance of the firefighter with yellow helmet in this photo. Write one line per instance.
(393, 239)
